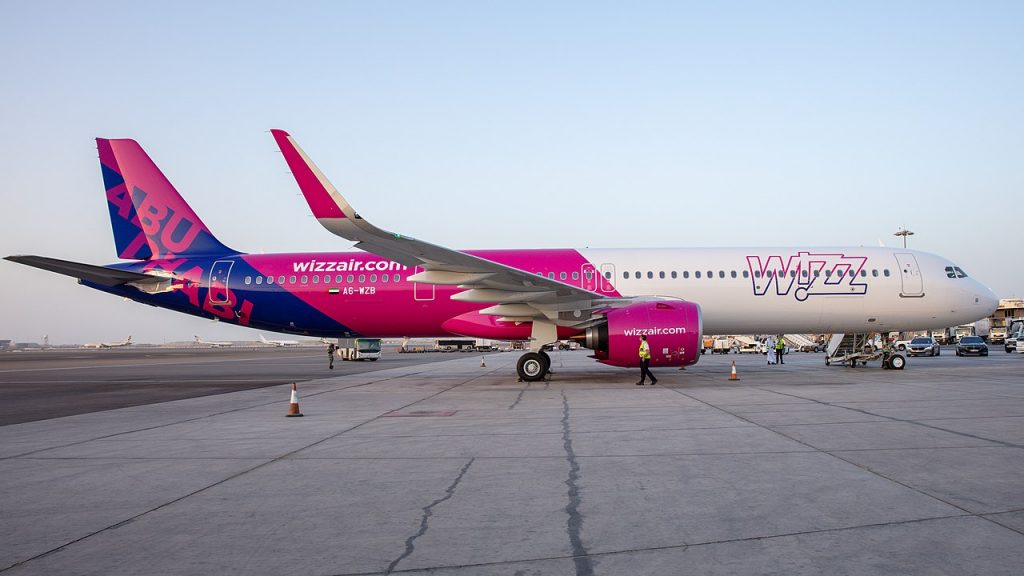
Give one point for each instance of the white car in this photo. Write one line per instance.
(924, 345)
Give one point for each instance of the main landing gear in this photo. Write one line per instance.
(533, 366)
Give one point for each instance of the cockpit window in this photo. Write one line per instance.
(955, 272)
(960, 273)
(949, 272)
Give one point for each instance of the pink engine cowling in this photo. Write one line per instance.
(673, 329)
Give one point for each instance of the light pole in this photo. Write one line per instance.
(904, 232)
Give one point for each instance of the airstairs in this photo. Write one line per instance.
(801, 342)
(849, 349)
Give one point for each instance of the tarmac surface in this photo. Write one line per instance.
(62, 382)
(454, 468)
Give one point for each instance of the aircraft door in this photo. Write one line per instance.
(220, 274)
(590, 281)
(910, 275)
(420, 291)
(607, 275)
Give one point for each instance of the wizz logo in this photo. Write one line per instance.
(806, 274)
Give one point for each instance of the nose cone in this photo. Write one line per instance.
(985, 299)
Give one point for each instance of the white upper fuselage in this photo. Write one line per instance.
(794, 290)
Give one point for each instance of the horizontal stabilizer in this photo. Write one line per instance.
(95, 274)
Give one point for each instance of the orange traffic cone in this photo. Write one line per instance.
(293, 406)
(733, 376)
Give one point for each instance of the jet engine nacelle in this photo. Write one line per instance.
(673, 329)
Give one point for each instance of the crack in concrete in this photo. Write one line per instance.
(580, 557)
(428, 510)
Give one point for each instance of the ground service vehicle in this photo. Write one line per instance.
(360, 349)
(970, 345)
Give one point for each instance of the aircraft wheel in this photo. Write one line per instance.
(372, 359)
(531, 367)
(897, 362)
(828, 361)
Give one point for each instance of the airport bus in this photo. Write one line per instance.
(360, 349)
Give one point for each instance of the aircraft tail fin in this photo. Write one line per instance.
(148, 216)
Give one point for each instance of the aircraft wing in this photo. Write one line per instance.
(95, 274)
(483, 280)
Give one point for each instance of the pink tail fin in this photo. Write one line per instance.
(149, 218)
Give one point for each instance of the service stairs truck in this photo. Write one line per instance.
(801, 342)
(849, 349)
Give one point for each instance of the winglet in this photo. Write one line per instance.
(324, 200)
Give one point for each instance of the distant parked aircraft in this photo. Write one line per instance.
(202, 342)
(279, 342)
(126, 342)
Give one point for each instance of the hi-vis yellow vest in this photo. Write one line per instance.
(645, 350)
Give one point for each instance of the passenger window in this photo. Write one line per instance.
(608, 275)
(803, 273)
(792, 273)
(886, 272)
(562, 276)
(828, 273)
(316, 278)
(338, 279)
(817, 273)
(362, 278)
(637, 274)
(711, 274)
(588, 275)
(746, 274)
(551, 275)
(384, 278)
(259, 280)
(732, 273)
(661, 275)
(757, 273)
(248, 280)
(721, 273)
(305, 279)
(575, 275)
(674, 275)
(291, 279)
(696, 274)
(625, 275)
(270, 280)
(373, 278)
(650, 275)
(350, 278)
(874, 272)
(686, 273)
(396, 278)
(280, 280)
(863, 273)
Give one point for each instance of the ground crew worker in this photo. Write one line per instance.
(645, 359)
(331, 349)
(780, 347)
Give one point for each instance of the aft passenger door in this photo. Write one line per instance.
(910, 276)
(220, 274)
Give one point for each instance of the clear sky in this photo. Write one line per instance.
(512, 124)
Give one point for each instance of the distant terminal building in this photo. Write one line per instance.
(5, 344)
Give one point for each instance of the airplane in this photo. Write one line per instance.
(202, 342)
(123, 343)
(605, 299)
(279, 343)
